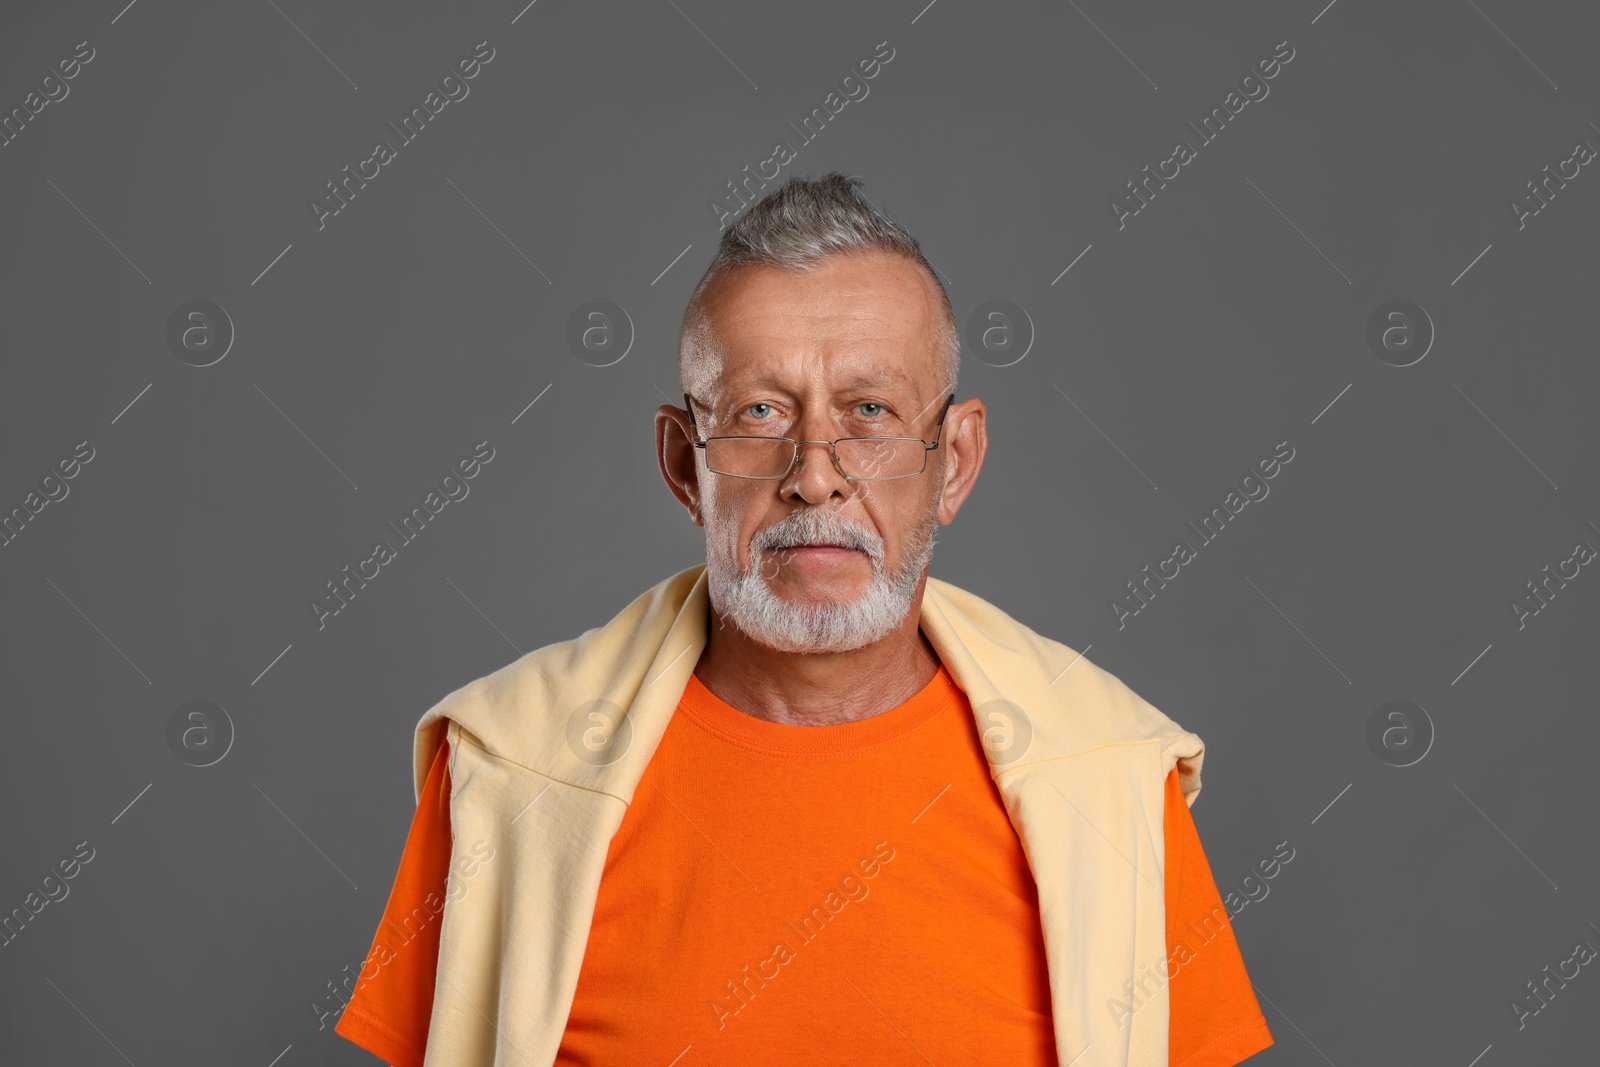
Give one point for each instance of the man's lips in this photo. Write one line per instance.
(815, 560)
(817, 548)
(807, 556)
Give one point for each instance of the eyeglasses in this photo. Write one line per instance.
(861, 459)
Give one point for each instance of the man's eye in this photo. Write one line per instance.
(752, 407)
(870, 404)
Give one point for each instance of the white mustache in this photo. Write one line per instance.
(798, 532)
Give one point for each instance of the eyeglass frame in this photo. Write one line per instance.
(833, 447)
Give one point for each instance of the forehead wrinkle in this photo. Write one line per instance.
(877, 376)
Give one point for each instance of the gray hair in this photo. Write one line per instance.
(796, 226)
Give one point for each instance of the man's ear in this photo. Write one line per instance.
(675, 455)
(966, 427)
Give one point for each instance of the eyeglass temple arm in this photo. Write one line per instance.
(938, 430)
(694, 430)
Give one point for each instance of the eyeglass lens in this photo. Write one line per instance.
(771, 457)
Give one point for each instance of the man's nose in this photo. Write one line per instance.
(805, 452)
(815, 476)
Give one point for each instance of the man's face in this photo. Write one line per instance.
(847, 350)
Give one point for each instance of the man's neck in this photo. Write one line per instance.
(821, 688)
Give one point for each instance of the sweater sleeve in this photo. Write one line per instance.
(389, 1011)
(1215, 1020)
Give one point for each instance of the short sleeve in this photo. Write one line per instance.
(1215, 1020)
(389, 1011)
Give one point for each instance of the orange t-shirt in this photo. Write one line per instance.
(778, 893)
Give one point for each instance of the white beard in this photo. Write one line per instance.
(807, 628)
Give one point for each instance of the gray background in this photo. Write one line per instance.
(1224, 318)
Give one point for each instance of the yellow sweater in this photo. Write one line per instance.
(1078, 758)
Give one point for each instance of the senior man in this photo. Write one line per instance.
(805, 804)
